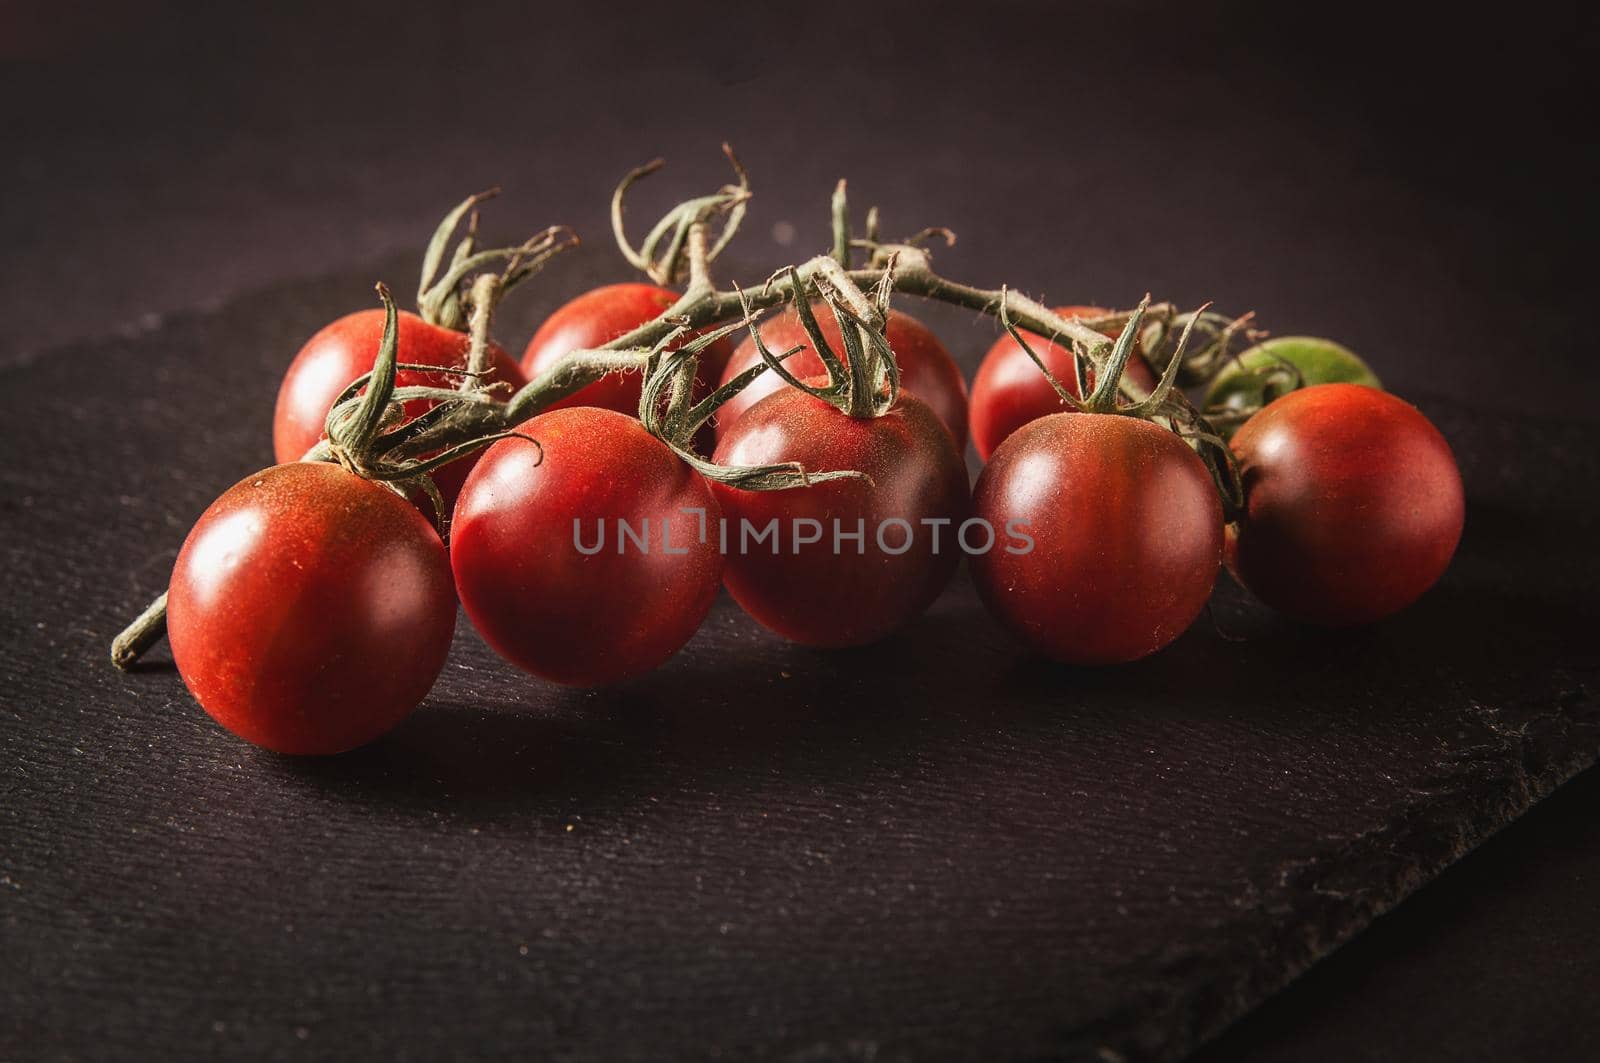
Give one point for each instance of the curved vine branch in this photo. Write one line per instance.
(703, 306)
(474, 418)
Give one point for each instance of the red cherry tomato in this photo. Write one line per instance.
(1009, 391)
(310, 610)
(545, 568)
(926, 368)
(345, 350)
(842, 592)
(594, 319)
(1127, 536)
(1353, 505)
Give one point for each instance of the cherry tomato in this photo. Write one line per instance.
(310, 610)
(345, 350)
(1241, 386)
(545, 567)
(1009, 391)
(1353, 505)
(594, 319)
(842, 592)
(926, 368)
(1126, 527)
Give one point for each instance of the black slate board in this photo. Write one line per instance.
(759, 851)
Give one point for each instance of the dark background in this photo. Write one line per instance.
(1362, 172)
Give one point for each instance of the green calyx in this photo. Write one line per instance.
(1106, 396)
(1216, 336)
(665, 254)
(460, 289)
(1272, 369)
(368, 417)
(865, 382)
(440, 293)
(666, 409)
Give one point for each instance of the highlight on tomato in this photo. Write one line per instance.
(433, 346)
(1123, 519)
(1353, 505)
(310, 610)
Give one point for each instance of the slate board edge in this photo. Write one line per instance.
(1522, 761)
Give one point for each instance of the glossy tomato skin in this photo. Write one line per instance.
(585, 619)
(310, 610)
(811, 593)
(1353, 505)
(1127, 531)
(1009, 391)
(596, 318)
(345, 350)
(926, 368)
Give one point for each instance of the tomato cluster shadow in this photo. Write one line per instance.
(739, 702)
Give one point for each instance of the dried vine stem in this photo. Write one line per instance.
(903, 268)
(680, 243)
(145, 631)
(663, 264)
(703, 305)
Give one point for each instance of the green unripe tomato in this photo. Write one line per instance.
(1247, 383)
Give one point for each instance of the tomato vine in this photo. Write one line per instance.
(367, 433)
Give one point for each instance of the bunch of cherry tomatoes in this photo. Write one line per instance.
(313, 604)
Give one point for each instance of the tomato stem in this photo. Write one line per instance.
(145, 631)
(485, 293)
(434, 256)
(699, 256)
(664, 264)
(841, 226)
(1108, 382)
(351, 436)
(675, 371)
(910, 273)
(1068, 396)
(439, 297)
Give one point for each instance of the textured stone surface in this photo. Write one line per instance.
(940, 849)
(1493, 961)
